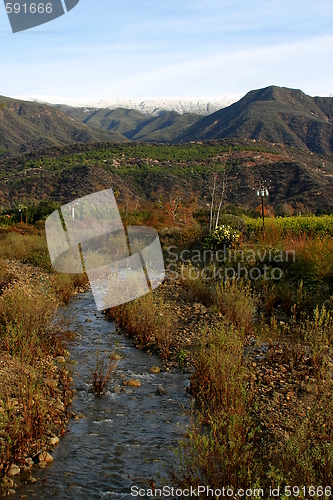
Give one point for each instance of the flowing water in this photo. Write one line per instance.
(125, 438)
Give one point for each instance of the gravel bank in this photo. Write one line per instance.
(33, 395)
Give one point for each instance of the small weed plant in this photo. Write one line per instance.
(104, 368)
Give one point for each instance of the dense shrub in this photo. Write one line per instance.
(223, 236)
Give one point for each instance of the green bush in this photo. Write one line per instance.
(223, 236)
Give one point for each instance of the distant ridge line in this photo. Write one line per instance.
(153, 106)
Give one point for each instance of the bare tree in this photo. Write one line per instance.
(218, 189)
(173, 206)
(212, 208)
(224, 182)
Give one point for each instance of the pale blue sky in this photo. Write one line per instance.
(171, 48)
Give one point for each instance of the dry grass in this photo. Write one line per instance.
(314, 255)
(65, 285)
(236, 300)
(30, 248)
(25, 323)
(28, 339)
(23, 418)
(196, 287)
(222, 454)
(229, 443)
(148, 319)
(306, 452)
(307, 455)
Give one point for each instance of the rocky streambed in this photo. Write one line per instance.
(122, 439)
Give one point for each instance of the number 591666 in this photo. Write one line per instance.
(33, 8)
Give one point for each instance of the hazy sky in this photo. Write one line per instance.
(171, 48)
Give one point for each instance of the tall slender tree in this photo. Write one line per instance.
(218, 190)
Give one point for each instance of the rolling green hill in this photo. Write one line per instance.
(27, 126)
(118, 120)
(148, 173)
(275, 114)
(134, 125)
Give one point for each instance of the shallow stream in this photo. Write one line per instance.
(126, 437)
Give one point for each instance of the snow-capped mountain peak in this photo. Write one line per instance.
(154, 106)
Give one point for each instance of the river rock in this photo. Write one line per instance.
(11, 492)
(160, 391)
(6, 482)
(14, 470)
(60, 359)
(131, 383)
(45, 457)
(28, 464)
(31, 480)
(53, 441)
(79, 416)
(155, 369)
(59, 406)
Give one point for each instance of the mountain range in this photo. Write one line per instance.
(151, 106)
(28, 126)
(274, 114)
